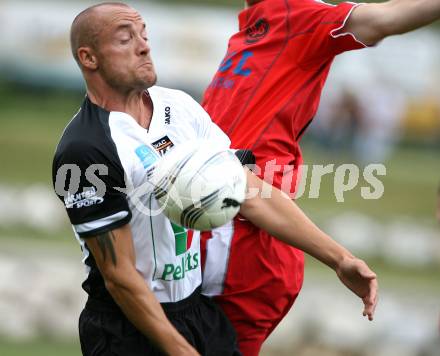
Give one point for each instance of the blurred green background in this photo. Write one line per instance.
(32, 118)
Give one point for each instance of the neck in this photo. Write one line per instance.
(137, 103)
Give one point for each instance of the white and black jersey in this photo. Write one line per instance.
(100, 172)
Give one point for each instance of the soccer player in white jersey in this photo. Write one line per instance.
(144, 272)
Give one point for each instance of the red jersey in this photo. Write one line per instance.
(267, 89)
(264, 95)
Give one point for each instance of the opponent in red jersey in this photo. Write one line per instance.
(264, 95)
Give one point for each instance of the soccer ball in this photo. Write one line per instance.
(199, 186)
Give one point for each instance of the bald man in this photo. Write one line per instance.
(144, 272)
(144, 294)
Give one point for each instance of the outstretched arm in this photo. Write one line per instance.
(115, 257)
(371, 23)
(282, 218)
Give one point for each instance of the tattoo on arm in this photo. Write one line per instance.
(105, 243)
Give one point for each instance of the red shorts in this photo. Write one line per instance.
(262, 279)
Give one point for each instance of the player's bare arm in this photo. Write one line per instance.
(282, 218)
(371, 23)
(115, 257)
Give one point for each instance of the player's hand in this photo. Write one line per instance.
(361, 280)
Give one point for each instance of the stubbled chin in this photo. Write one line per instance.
(147, 81)
(151, 80)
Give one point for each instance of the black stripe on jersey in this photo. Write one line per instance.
(107, 228)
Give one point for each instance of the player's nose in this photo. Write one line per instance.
(143, 48)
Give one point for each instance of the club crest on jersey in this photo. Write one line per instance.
(163, 145)
(257, 31)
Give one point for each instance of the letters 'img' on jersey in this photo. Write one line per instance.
(109, 150)
(267, 89)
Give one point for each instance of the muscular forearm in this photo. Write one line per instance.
(371, 23)
(408, 15)
(283, 219)
(142, 308)
(115, 257)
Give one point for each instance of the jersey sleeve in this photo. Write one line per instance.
(320, 29)
(90, 182)
(209, 131)
(206, 129)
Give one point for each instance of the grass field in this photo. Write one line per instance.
(410, 186)
(30, 127)
(32, 122)
(42, 347)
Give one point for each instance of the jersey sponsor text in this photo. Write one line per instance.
(84, 199)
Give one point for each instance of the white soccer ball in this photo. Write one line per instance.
(199, 186)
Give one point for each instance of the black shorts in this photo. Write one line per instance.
(107, 332)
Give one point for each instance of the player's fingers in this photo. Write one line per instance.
(376, 297)
(370, 300)
(368, 309)
(374, 286)
(374, 306)
(369, 312)
(369, 275)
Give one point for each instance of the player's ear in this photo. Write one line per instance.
(87, 58)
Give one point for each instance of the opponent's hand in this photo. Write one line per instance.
(361, 280)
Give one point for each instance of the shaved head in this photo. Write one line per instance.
(86, 27)
(110, 44)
